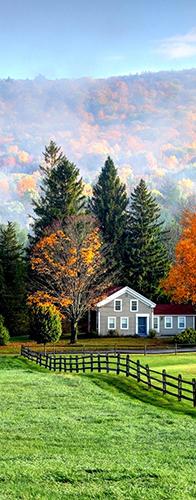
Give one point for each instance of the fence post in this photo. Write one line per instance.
(91, 362)
(138, 370)
(65, 364)
(107, 363)
(77, 370)
(54, 363)
(179, 387)
(60, 363)
(144, 349)
(99, 364)
(164, 381)
(46, 361)
(148, 376)
(127, 365)
(83, 364)
(70, 363)
(40, 359)
(50, 363)
(118, 364)
(176, 347)
(194, 391)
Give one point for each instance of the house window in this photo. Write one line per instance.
(124, 323)
(134, 305)
(181, 322)
(118, 305)
(111, 323)
(168, 322)
(156, 323)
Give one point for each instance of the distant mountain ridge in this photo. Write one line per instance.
(146, 123)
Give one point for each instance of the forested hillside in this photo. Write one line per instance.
(146, 123)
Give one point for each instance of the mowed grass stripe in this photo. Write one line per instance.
(91, 436)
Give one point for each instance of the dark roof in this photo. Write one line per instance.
(113, 289)
(172, 309)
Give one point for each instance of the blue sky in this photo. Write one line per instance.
(95, 38)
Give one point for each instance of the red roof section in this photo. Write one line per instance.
(172, 309)
(113, 289)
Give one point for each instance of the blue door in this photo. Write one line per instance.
(142, 326)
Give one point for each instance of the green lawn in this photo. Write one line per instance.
(83, 343)
(185, 364)
(92, 437)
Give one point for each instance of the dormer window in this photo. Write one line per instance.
(133, 305)
(118, 305)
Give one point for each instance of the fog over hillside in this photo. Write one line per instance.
(146, 123)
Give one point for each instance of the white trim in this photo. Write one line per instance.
(181, 327)
(168, 327)
(128, 290)
(114, 318)
(152, 318)
(143, 316)
(121, 327)
(133, 300)
(158, 327)
(99, 322)
(118, 310)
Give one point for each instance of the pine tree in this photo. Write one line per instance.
(109, 205)
(12, 281)
(146, 255)
(61, 191)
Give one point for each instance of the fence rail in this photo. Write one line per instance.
(117, 363)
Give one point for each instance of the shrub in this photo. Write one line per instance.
(113, 333)
(152, 333)
(93, 334)
(4, 333)
(188, 336)
(46, 325)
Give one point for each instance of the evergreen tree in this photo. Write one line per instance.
(146, 255)
(12, 281)
(61, 190)
(109, 205)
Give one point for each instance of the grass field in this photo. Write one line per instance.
(83, 343)
(93, 436)
(185, 364)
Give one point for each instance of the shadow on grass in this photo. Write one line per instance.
(138, 391)
(120, 383)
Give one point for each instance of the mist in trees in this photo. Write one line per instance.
(111, 240)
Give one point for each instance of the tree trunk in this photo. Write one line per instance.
(74, 331)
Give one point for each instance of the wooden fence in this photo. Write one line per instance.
(117, 363)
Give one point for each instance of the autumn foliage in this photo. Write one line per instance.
(69, 269)
(180, 283)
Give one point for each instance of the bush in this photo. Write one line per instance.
(188, 336)
(46, 325)
(93, 334)
(4, 333)
(152, 333)
(113, 333)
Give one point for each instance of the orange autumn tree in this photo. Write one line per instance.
(69, 269)
(180, 283)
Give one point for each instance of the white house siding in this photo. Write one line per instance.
(190, 323)
(107, 310)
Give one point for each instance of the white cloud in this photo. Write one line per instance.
(178, 46)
